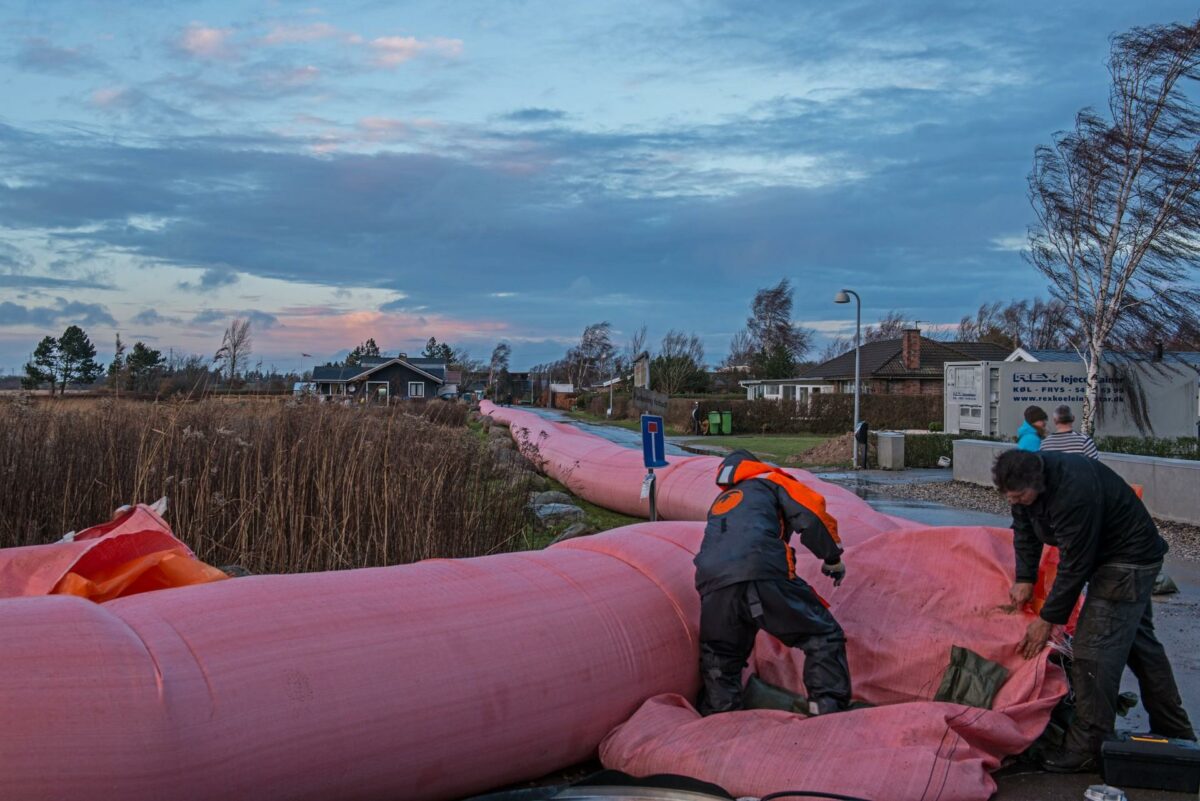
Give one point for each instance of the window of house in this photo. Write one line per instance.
(416, 389)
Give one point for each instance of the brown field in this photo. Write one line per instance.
(274, 487)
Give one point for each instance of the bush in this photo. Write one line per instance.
(827, 414)
(1169, 448)
(935, 427)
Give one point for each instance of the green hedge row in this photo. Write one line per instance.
(1170, 448)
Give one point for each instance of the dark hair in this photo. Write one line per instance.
(1017, 470)
(1035, 414)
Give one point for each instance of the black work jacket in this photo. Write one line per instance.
(1093, 516)
(749, 525)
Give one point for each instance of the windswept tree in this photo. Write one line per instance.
(43, 367)
(498, 379)
(741, 352)
(592, 358)
(235, 349)
(636, 344)
(1117, 201)
(890, 326)
(679, 365)
(779, 344)
(438, 350)
(1037, 324)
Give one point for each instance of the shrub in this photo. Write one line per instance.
(923, 450)
(1176, 448)
(827, 414)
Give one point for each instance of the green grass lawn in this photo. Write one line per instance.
(774, 447)
(588, 417)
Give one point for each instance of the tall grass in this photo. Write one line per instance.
(280, 487)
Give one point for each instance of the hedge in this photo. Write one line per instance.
(827, 414)
(1176, 448)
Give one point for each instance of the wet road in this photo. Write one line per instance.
(616, 434)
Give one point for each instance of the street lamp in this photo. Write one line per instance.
(844, 297)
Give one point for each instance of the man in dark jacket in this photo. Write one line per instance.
(745, 573)
(1108, 541)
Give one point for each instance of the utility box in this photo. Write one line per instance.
(889, 450)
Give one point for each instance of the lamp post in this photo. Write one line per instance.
(844, 297)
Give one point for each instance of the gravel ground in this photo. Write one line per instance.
(1184, 539)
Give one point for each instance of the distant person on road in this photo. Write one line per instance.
(746, 577)
(1108, 541)
(696, 417)
(1029, 435)
(1066, 439)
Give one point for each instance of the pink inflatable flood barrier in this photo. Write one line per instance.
(451, 677)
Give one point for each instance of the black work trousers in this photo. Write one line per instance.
(1116, 628)
(790, 611)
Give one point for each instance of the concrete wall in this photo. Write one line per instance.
(1171, 487)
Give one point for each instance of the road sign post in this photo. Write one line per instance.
(654, 449)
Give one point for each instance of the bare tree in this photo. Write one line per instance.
(594, 351)
(235, 348)
(636, 344)
(1038, 325)
(890, 326)
(1117, 205)
(834, 348)
(679, 364)
(741, 351)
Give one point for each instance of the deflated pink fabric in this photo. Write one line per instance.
(37, 569)
(610, 475)
(908, 597)
(425, 681)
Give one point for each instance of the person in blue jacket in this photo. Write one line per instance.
(1031, 432)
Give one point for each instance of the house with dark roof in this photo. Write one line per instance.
(909, 365)
(382, 379)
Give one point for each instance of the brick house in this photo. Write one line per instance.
(909, 365)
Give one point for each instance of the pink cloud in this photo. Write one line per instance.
(392, 330)
(110, 97)
(201, 41)
(392, 51)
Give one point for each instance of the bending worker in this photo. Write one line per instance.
(1108, 541)
(745, 573)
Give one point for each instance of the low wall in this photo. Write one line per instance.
(1169, 485)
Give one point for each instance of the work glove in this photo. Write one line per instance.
(836, 571)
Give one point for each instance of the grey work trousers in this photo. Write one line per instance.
(1116, 628)
(789, 610)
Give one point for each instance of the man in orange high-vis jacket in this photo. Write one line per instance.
(746, 577)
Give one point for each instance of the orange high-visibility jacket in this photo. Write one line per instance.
(749, 525)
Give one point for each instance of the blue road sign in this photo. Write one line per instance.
(654, 441)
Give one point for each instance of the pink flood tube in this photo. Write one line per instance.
(610, 475)
(427, 681)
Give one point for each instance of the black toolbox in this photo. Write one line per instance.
(1151, 762)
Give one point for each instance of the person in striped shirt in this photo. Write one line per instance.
(1065, 439)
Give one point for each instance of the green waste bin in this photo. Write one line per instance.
(714, 422)
(726, 422)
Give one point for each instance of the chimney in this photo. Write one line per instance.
(910, 352)
(1158, 351)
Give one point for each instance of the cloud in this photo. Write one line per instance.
(281, 34)
(535, 115)
(259, 320)
(29, 281)
(211, 279)
(152, 317)
(64, 313)
(41, 55)
(205, 43)
(502, 295)
(392, 51)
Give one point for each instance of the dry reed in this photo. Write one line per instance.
(284, 487)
